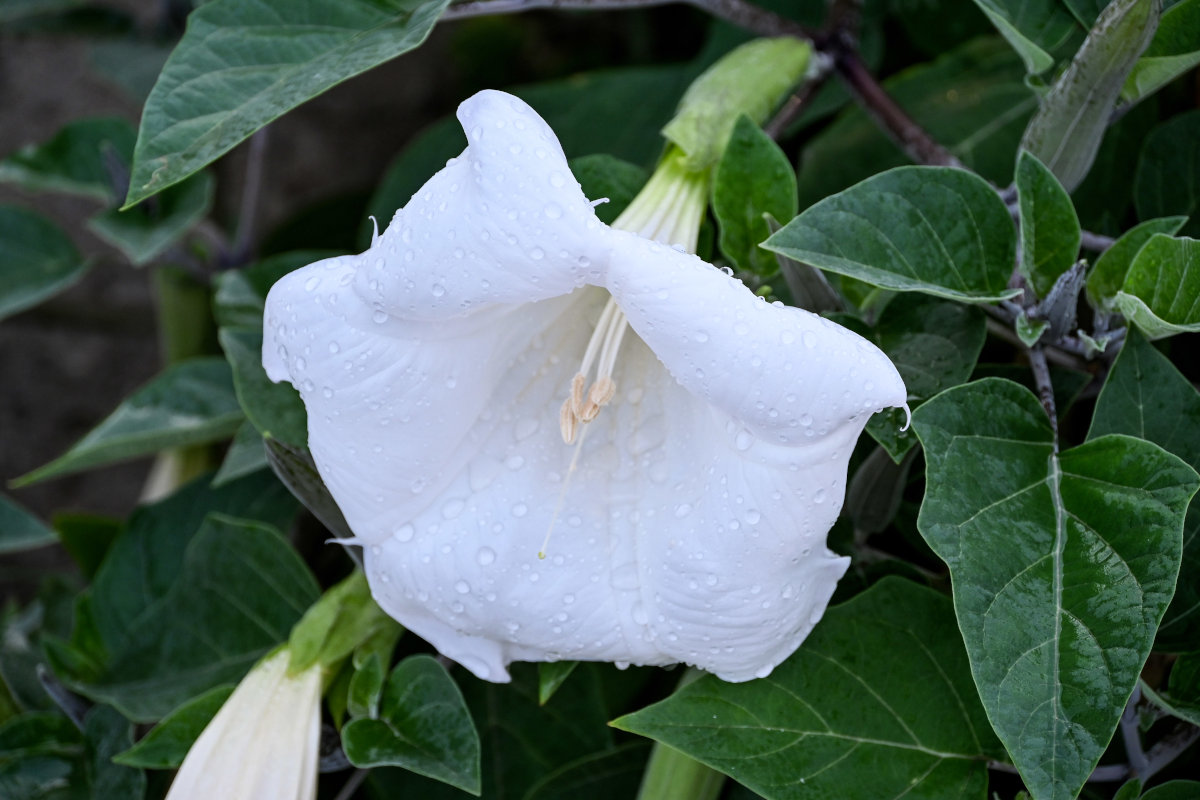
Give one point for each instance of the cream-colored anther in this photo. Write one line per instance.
(585, 402)
(568, 421)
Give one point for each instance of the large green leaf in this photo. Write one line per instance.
(242, 64)
(1146, 396)
(1108, 276)
(1167, 182)
(37, 260)
(753, 178)
(937, 230)
(876, 703)
(1035, 28)
(74, 160)
(1066, 131)
(20, 530)
(240, 589)
(1049, 227)
(107, 733)
(1161, 294)
(973, 100)
(1062, 566)
(1174, 50)
(41, 758)
(423, 726)
(189, 403)
(934, 344)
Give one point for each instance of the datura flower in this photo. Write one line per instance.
(262, 744)
(500, 365)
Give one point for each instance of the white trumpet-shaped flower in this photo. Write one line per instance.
(262, 744)
(471, 386)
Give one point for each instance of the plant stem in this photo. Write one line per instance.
(243, 241)
(1041, 378)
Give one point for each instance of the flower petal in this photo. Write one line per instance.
(688, 521)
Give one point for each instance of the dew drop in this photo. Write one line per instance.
(787, 337)
(753, 516)
(682, 510)
(819, 496)
(514, 462)
(743, 440)
(700, 336)
(328, 392)
(334, 347)
(537, 254)
(462, 587)
(553, 211)
(557, 180)
(810, 339)
(312, 283)
(404, 533)
(379, 317)
(453, 508)
(485, 556)
(520, 510)
(526, 428)
(437, 290)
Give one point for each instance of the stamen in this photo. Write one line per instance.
(568, 421)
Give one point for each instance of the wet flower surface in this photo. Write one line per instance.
(688, 516)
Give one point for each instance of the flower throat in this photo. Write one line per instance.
(668, 210)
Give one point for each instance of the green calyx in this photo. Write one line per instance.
(752, 80)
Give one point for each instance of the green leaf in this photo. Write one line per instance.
(424, 726)
(275, 408)
(569, 727)
(937, 230)
(107, 733)
(1105, 198)
(1174, 790)
(1167, 182)
(1062, 566)
(1146, 396)
(973, 100)
(241, 65)
(1108, 276)
(1130, 790)
(143, 232)
(166, 744)
(240, 590)
(37, 260)
(1049, 227)
(366, 688)
(934, 344)
(1174, 50)
(753, 178)
(1182, 696)
(810, 729)
(74, 160)
(1066, 131)
(20, 530)
(1161, 294)
(344, 618)
(246, 455)
(1034, 28)
(1086, 11)
(41, 756)
(608, 773)
(551, 675)
(189, 403)
(87, 538)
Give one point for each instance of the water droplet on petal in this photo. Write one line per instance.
(819, 496)
(437, 290)
(485, 556)
(682, 510)
(743, 440)
(404, 533)
(462, 587)
(553, 211)
(379, 317)
(520, 510)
